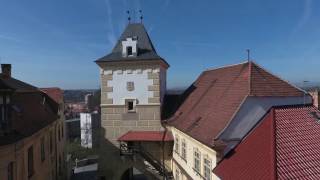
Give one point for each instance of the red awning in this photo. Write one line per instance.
(146, 136)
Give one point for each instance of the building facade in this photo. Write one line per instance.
(220, 108)
(133, 86)
(191, 158)
(31, 132)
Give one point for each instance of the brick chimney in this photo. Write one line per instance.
(6, 70)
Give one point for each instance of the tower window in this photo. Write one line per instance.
(130, 105)
(130, 86)
(129, 51)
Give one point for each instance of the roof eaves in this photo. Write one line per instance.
(305, 92)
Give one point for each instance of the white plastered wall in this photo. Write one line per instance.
(139, 76)
(188, 165)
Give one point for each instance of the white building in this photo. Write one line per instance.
(89, 128)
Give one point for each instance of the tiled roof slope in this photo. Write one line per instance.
(33, 113)
(146, 136)
(55, 93)
(218, 94)
(297, 142)
(29, 110)
(292, 136)
(14, 84)
(252, 158)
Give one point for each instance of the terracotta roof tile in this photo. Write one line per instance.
(290, 147)
(55, 93)
(219, 93)
(297, 142)
(252, 158)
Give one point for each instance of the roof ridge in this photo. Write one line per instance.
(226, 66)
(278, 77)
(250, 77)
(268, 85)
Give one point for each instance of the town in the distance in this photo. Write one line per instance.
(238, 121)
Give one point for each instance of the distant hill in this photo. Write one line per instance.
(77, 95)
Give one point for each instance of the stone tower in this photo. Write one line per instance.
(133, 85)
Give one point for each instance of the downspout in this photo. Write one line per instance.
(56, 149)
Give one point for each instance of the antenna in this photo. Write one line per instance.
(305, 91)
(141, 16)
(129, 18)
(248, 54)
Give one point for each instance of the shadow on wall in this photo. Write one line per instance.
(112, 166)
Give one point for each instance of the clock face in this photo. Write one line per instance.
(130, 86)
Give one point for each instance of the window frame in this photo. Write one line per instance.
(62, 130)
(131, 50)
(177, 144)
(59, 133)
(30, 162)
(184, 150)
(197, 166)
(178, 174)
(127, 101)
(207, 167)
(42, 149)
(51, 142)
(10, 171)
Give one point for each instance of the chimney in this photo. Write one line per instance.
(6, 70)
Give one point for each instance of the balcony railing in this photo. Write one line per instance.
(162, 169)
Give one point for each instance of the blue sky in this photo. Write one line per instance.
(54, 42)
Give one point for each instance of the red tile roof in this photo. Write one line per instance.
(285, 145)
(219, 93)
(252, 158)
(146, 136)
(55, 93)
(29, 110)
(298, 142)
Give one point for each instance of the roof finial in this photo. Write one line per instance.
(141, 16)
(129, 18)
(248, 53)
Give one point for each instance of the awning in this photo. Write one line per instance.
(146, 136)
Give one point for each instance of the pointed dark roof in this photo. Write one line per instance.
(146, 50)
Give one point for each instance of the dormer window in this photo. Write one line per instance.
(129, 47)
(129, 51)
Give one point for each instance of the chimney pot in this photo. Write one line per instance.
(6, 70)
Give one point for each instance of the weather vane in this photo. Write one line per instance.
(141, 16)
(129, 18)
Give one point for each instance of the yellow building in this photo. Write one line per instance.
(32, 134)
